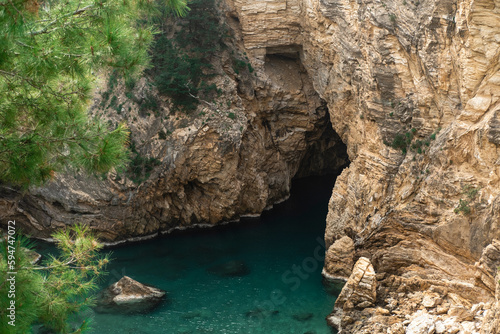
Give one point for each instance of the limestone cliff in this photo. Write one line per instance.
(412, 88)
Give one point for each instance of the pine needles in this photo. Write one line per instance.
(48, 56)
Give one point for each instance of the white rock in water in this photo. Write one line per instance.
(128, 296)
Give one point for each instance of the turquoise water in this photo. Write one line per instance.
(281, 293)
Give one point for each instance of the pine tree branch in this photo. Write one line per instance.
(17, 10)
(46, 30)
(5, 73)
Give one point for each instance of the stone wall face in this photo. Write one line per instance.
(428, 70)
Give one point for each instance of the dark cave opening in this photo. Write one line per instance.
(326, 153)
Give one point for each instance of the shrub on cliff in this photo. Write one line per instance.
(182, 63)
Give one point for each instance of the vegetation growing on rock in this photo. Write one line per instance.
(182, 64)
(49, 54)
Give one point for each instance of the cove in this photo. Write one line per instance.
(280, 289)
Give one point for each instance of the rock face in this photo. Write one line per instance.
(359, 292)
(339, 259)
(232, 157)
(411, 87)
(128, 296)
(488, 265)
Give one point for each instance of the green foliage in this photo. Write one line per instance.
(162, 135)
(182, 64)
(463, 207)
(113, 102)
(49, 52)
(140, 167)
(401, 141)
(130, 83)
(417, 145)
(470, 193)
(176, 74)
(53, 294)
(231, 115)
(238, 65)
(250, 68)
(148, 103)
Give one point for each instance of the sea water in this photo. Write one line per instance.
(280, 290)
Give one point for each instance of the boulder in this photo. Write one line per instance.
(461, 313)
(361, 287)
(305, 316)
(423, 323)
(491, 322)
(359, 292)
(431, 300)
(487, 265)
(339, 258)
(128, 296)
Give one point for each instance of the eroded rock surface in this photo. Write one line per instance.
(413, 89)
(339, 259)
(359, 292)
(491, 323)
(232, 157)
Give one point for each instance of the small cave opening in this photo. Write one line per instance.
(326, 154)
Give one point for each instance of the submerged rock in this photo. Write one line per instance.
(128, 296)
(258, 313)
(203, 313)
(303, 316)
(255, 313)
(230, 269)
